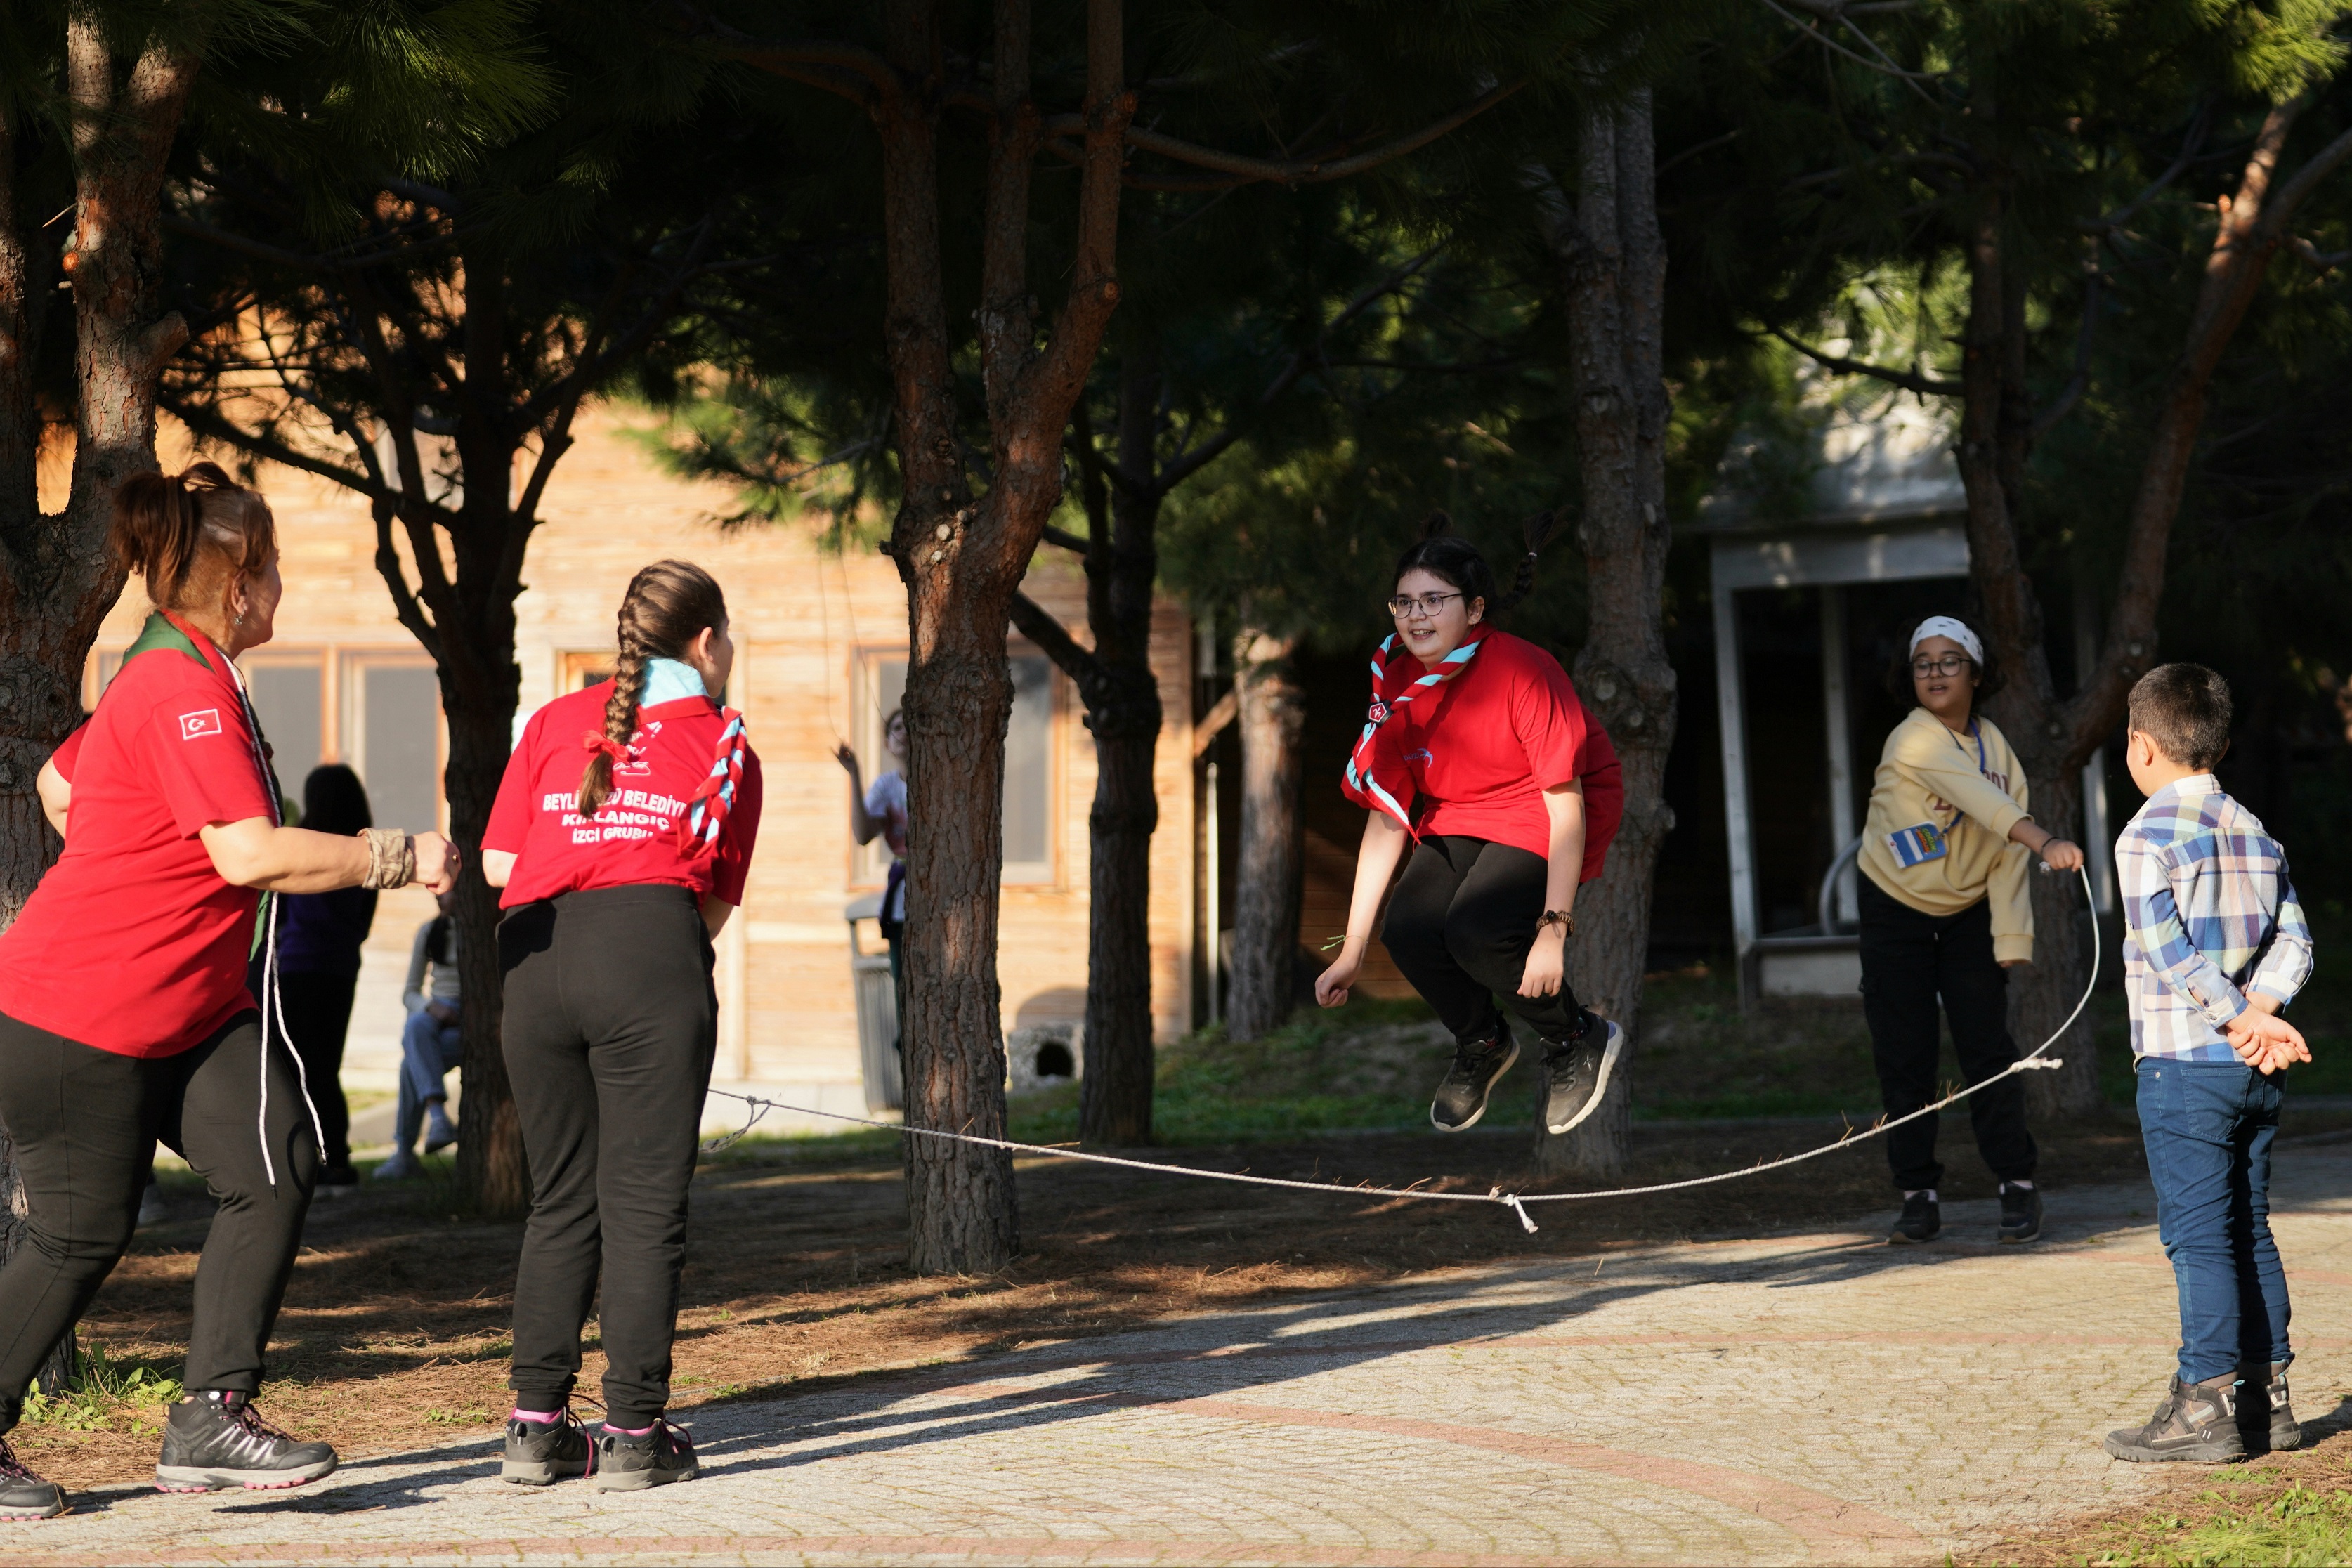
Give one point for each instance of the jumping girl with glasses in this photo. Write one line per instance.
(1945, 856)
(1478, 749)
(617, 874)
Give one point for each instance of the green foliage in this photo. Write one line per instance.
(104, 1393)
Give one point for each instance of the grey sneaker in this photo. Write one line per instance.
(2196, 1422)
(541, 1453)
(215, 1439)
(2265, 1418)
(626, 1464)
(438, 1133)
(1578, 1074)
(1461, 1099)
(23, 1494)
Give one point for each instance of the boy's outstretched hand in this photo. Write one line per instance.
(2264, 1041)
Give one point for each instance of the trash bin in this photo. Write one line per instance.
(877, 1009)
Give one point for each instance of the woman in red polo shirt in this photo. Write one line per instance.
(1478, 750)
(124, 1016)
(617, 874)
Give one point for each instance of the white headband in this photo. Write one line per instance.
(1945, 626)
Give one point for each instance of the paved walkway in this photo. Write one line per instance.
(1804, 1399)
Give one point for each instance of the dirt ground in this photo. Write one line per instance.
(395, 1327)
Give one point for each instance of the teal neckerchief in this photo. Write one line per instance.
(669, 680)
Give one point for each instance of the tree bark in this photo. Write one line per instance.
(963, 561)
(1271, 717)
(1613, 266)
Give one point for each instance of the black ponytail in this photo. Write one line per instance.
(1452, 559)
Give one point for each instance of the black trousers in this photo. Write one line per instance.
(318, 1019)
(611, 1025)
(86, 1122)
(1459, 925)
(1908, 961)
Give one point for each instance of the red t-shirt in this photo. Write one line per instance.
(133, 943)
(633, 839)
(1482, 749)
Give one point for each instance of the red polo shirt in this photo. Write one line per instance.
(633, 839)
(133, 943)
(1482, 749)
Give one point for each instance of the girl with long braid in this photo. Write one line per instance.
(1477, 752)
(616, 874)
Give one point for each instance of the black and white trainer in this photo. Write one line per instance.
(216, 1439)
(1923, 1220)
(2196, 1422)
(2021, 1213)
(655, 1459)
(23, 1494)
(1576, 1074)
(541, 1453)
(1461, 1099)
(2265, 1414)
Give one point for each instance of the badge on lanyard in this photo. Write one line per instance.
(1918, 843)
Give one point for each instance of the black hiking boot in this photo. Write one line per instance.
(2021, 1213)
(541, 1453)
(626, 1464)
(2265, 1420)
(1576, 1075)
(1923, 1220)
(2196, 1422)
(215, 1439)
(23, 1494)
(1460, 1099)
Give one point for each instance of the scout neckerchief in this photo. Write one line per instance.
(705, 817)
(1924, 841)
(1398, 677)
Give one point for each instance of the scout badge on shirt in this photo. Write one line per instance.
(1918, 845)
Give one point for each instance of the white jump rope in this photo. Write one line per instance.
(271, 1003)
(1515, 1202)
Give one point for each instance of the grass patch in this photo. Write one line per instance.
(2291, 1511)
(105, 1394)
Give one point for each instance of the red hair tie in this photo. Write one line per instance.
(596, 741)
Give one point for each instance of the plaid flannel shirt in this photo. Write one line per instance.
(2209, 916)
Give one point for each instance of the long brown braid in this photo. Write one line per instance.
(667, 606)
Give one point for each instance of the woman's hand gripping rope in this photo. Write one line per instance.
(1515, 1202)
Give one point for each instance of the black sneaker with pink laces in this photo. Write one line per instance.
(215, 1438)
(23, 1494)
(629, 1462)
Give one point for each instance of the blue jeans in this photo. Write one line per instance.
(428, 1049)
(2207, 1127)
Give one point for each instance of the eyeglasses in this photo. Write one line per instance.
(1404, 606)
(1948, 664)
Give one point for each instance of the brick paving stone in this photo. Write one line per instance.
(1795, 1399)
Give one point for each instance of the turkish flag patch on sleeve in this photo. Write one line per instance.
(203, 721)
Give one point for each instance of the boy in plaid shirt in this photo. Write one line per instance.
(2214, 945)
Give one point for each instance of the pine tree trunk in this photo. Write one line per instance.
(1271, 717)
(1115, 1094)
(491, 1166)
(961, 1210)
(1614, 266)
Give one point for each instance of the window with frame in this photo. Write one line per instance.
(290, 697)
(393, 737)
(1029, 777)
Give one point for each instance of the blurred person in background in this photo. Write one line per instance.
(430, 1046)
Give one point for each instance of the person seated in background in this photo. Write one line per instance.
(429, 1047)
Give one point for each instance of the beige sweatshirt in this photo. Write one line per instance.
(1928, 774)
